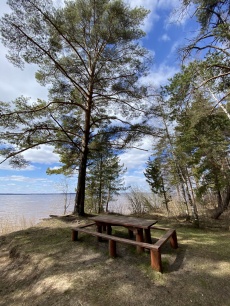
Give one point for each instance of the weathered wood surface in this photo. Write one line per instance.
(170, 234)
(124, 221)
(155, 249)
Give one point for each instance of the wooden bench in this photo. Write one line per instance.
(155, 249)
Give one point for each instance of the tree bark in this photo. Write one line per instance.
(193, 206)
(79, 207)
(107, 201)
(177, 166)
(100, 200)
(165, 196)
(80, 193)
(224, 204)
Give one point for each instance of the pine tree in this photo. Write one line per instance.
(88, 55)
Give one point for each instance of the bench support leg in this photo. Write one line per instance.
(130, 233)
(99, 229)
(148, 236)
(173, 240)
(109, 230)
(140, 238)
(156, 260)
(74, 235)
(112, 248)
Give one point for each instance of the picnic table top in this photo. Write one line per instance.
(124, 221)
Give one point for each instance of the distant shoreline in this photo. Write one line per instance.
(48, 193)
(51, 193)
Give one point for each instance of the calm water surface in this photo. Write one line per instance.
(22, 210)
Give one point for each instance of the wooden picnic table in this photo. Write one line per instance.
(135, 226)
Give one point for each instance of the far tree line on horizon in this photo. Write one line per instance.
(89, 55)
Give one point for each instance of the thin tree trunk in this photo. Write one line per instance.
(178, 168)
(190, 185)
(193, 206)
(185, 201)
(222, 203)
(165, 196)
(107, 201)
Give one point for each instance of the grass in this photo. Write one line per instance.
(12, 223)
(42, 266)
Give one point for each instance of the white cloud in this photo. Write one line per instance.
(21, 178)
(136, 156)
(43, 155)
(152, 17)
(171, 6)
(134, 160)
(26, 184)
(159, 75)
(7, 166)
(136, 181)
(178, 15)
(54, 168)
(5, 9)
(15, 82)
(165, 37)
(168, 4)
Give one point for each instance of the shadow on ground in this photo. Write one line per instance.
(42, 266)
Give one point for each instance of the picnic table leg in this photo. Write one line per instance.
(74, 235)
(130, 233)
(109, 229)
(148, 236)
(99, 229)
(173, 240)
(156, 260)
(139, 238)
(112, 248)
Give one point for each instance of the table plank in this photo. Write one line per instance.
(124, 221)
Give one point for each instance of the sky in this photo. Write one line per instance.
(165, 31)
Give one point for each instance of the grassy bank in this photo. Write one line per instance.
(42, 266)
(11, 224)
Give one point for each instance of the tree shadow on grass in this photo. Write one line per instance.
(81, 273)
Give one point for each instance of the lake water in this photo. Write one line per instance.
(18, 211)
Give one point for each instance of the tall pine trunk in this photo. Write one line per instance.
(79, 207)
(80, 193)
(100, 193)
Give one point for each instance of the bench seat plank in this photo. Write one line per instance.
(155, 249)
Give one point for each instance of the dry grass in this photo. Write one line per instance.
(42, 266)
(12, 223)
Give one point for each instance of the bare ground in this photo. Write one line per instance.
(42, 266)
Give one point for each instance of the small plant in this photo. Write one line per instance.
(64, 187)
(14, 223)
(140, 202)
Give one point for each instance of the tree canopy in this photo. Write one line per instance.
(88, 54)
